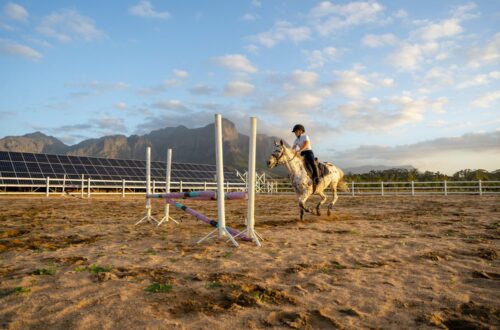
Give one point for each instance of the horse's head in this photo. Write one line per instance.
(279, 155)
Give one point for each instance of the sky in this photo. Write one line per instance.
(374, 82)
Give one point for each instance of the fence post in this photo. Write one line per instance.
(445, 188)
(205, 185)
(413, 188)
(48, 187)
(123, 187)
(180, 187)
(64, 184)
(154, 187)
(480, 188)
(382, 187)
(83, 184)
(352, 188)
(88, 187)
(227, 186)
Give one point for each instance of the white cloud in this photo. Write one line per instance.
(409, 57)
(181, 74)
(170, 105)
(439, 77)
(443, 29)
(68, 25)
(446, 154)
(372, 40)
(145, 9)
(99, 86)
(350, 84)
(121, 105)
(110, 124)
(305, 78)
(318, 58)
(202, 90)
(256, 3)
(249, 17)
(238, 88)
(384, 115)
(486, 54)
(16, 12)
(462, 12)
(328, 17)
(486, 100)
(479, 80)
(235, 62)
(282, 31)
(11, 48)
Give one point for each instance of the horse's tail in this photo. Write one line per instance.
(342, 185)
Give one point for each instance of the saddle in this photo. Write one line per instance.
(322, 169)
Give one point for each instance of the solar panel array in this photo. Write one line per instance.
(14, 165)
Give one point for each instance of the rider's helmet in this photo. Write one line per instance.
(297, 127)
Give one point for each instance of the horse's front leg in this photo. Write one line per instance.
(303, 207)
(321, 202)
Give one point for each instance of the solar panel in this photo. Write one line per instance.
(29, 165)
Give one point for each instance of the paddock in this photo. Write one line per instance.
(378, 262)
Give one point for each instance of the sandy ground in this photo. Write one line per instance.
(378, 262)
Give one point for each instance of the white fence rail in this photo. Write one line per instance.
(411, 188)
(87, 187)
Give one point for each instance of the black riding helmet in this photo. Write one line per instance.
(297, 127)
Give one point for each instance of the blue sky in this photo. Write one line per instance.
(374, 82)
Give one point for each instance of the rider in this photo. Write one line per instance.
(302, 146)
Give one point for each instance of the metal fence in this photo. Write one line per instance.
(87, 187)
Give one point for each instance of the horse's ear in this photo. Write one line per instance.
(281, 143)
(276, 143)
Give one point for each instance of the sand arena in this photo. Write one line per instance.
(378, 262)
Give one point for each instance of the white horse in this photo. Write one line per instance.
(302, 182)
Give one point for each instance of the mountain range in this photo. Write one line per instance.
(195, 145)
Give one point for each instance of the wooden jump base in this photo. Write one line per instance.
(249, 234)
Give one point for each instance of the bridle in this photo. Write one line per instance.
(283, 154)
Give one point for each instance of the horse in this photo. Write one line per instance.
(301, 181)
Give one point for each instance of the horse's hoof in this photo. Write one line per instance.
(329, 213)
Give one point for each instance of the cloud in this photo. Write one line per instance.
(350, 84)
(470, 150)
(170, 105)
(11, 48)
(99, 86)
(248, 17)
(374, 41)
(305, 78)
(479, 80)
(15, 12)
(462, 12)
(202, 90)
(145, 9)
(409, 57)
(110, 124)
(181, 74)
(238, 88)
(328, 17)
(69, 25)
(235, 62)
(486, 100)
(121, 105)
(443, 29)
(384, 115)
(71, 128)
(256, 3)
(175, 119)
(318, 58)
(485, 54)
(282, 31)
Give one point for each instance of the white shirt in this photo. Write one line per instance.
(299, 143)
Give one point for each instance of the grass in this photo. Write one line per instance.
(44, 271)
(95, 269)
(150, 252)
(17, 290)
(157, 288)
(213, 285)
(227, 254)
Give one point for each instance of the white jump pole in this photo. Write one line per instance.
(221, 212)
(252, 151)
(168, 176)
(148, 216)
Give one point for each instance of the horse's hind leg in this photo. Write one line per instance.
(303, 207)
(321, 202)
(334, 200)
